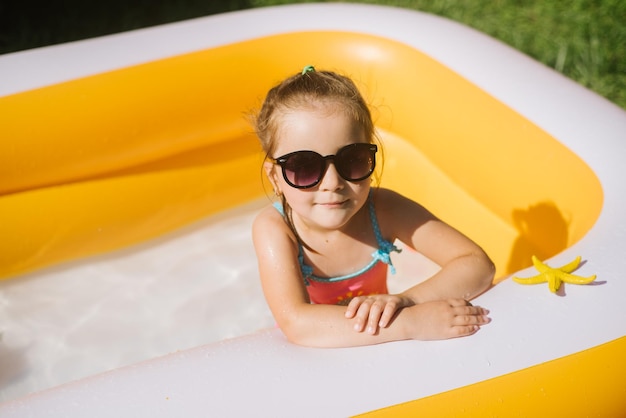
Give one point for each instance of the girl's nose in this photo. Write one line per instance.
(331, 179)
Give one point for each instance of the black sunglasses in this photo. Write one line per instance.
(304, 169)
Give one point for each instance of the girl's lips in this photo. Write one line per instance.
(333, 204)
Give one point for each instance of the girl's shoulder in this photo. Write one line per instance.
(269, 224)
(269, 216)
(396, 212)
(389, 201)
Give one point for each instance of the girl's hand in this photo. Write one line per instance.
(443, 319)
(375, 311)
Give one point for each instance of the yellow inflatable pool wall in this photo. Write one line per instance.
(107, 161)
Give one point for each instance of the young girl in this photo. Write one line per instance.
(327, 243)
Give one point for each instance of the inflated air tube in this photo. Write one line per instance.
(115, 149)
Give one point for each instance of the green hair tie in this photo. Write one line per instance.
(308, 69)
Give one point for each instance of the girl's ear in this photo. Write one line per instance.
(270, 171)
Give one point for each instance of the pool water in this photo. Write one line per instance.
(195, 287)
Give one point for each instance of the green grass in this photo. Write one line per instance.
(583, 39)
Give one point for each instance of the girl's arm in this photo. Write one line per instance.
(466, 271)
(326, 325)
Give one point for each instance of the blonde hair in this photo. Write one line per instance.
(307, 90)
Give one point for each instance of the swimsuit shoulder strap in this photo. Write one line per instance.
(383, 244)
(279, 207)
(384, 247)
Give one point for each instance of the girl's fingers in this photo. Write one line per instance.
(464, 331)
(375, 312)
(353, 307)
(470, 315)
(388, 313)
(362, 314)
(372, 313)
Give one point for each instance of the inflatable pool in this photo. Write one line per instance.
(110, 142)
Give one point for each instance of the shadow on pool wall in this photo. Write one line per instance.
(543, 232)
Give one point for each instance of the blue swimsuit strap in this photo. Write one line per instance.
(381, 254)
(384, 247)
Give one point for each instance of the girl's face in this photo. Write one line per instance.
(333, 201)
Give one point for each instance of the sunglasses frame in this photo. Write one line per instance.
(282, 161)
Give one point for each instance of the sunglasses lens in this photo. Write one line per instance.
(356, 162)
(303, 168)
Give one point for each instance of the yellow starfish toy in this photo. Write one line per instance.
(555, 276)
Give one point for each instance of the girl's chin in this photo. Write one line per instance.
(332, 219)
